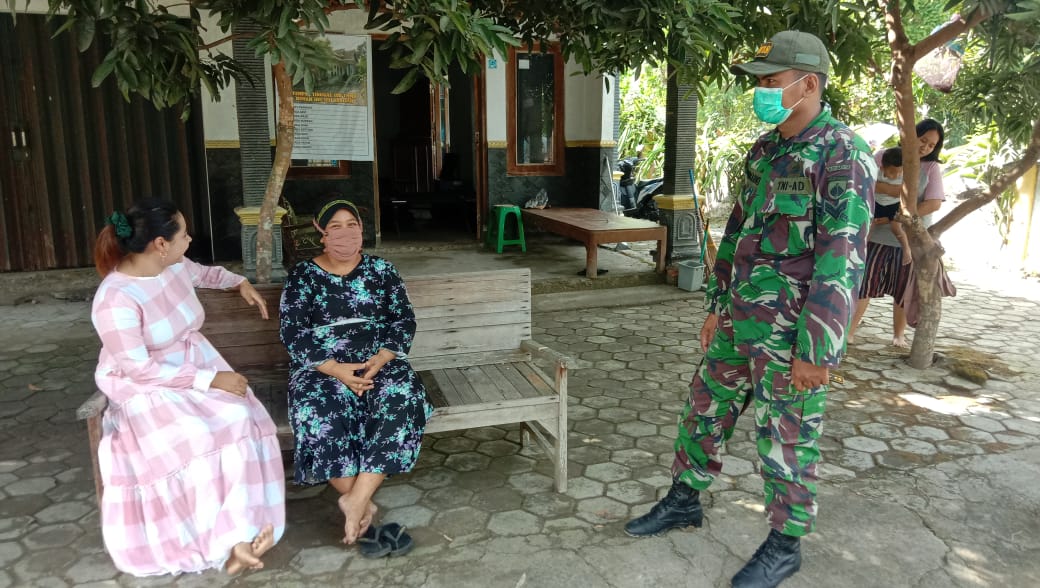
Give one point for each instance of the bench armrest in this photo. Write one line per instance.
(94, 406)
(539, 350)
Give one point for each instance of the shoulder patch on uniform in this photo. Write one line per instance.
(835, 188)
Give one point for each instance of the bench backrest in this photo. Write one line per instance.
(462, 319)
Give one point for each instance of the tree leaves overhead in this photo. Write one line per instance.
(430, 36)
(1000, 81)
(159, 53)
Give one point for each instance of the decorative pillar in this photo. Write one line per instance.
(254, 142)
(679, 214)
(249, 216)
(678, 211)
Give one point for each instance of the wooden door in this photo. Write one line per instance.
(71, 154)
(480, 150)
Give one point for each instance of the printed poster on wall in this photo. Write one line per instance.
(334, 122)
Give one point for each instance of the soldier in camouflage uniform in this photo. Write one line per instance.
(779, 302)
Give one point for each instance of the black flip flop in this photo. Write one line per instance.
(370, 545)
(399, 541)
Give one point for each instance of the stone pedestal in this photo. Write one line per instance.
(250, 219)
(679, 214)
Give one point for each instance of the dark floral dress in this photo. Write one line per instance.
(348, 319)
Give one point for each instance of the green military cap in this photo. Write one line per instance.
(787, 50)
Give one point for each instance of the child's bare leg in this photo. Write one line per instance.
(861, 309)
(899, 327)
(904, 242)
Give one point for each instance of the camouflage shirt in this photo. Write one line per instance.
(793, 252)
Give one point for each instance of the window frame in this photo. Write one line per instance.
(556, 166)
(325, 172)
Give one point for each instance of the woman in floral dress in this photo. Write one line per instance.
(189, 458)
(357, 408)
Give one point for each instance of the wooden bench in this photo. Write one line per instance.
(472, 350)
(594, 227)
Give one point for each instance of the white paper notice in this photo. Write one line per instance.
(335, 121)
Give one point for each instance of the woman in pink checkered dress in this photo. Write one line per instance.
(192, 471)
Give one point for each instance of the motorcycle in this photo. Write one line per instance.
(636, 197)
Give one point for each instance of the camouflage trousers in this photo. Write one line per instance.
(787, 425)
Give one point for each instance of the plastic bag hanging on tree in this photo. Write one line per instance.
(939, 68)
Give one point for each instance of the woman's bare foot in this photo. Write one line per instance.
(900, 342)
(242, 557)
(355, 511)
(367, 520)
(262, 543)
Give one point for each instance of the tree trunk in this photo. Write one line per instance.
(926, 251)
(927, 258)
(284, 136)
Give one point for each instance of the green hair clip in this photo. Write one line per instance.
(122, 225)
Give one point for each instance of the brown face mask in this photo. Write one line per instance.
(342, 243)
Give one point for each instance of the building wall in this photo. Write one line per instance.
(588, 130)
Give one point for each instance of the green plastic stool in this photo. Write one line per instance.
(496, 232)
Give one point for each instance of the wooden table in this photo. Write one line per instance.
(594, 227)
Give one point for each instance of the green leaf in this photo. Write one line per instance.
(103, 70)
(84, 34)
(374, 23)
(419, 51)
(407, 81)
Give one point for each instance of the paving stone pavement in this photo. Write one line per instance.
(928, 479)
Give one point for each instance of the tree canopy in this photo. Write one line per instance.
(159, 52)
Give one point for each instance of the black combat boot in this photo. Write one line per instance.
(778, 558)
(680, 508)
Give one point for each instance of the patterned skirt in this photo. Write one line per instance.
(884, 273)
(187, 475)
(339, 434)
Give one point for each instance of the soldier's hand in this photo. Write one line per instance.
(708, 330)
(805, 376)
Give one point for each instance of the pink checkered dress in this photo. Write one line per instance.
(189, 470)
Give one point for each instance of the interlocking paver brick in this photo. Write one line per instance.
(469, 461)
(460, 521)
(617, 415)
(602, 510)
(865, 444)
(584, 487)
(624, 399)
(549, 505)
(514, 522)
(608, 472)
(530, 482)
(498, 499)
(631, 491)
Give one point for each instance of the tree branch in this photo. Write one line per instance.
(1006, 179)
(948, 32)
(894, 23)
(231, 37)
(902, 86)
